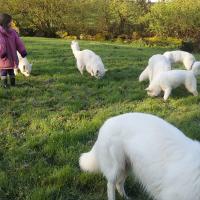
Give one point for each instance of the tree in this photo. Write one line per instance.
(178, 18)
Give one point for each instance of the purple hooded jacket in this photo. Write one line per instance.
(10, 43)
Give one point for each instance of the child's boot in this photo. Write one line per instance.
(12, 80)
(4, 81)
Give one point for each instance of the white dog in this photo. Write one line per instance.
(89, 60)
(24, 66)
(196, 68)
(180, 56)
(162, 158)
(157, 64)
(166, 81)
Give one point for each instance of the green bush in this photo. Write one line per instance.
(64, 35)
(139, 43)
(187, 46)
(177, 18)
(99, 37)
(163, 41)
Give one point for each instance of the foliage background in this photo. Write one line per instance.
(106, 18)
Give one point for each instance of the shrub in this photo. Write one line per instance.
(136, 35)
(163, 41)
(64, 35)
(139, 43)
(187, 46)
(86, 37)
(99, 37)
(14, 26)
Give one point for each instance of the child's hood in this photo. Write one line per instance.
(4, 32)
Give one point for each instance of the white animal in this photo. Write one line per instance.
(89, 60)
(180, 56)
(163, 159)
(24, 66)
(166, 81)
(156, 64)
(196, 68)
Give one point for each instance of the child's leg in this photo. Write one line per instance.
(12, 76)
(4, 78)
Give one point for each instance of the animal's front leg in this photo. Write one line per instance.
(111, 191)
(92, 73)
(167, 92)
(120, 185)
(120, 189)
(80, 67)
(16, 71)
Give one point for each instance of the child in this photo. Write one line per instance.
(10, 43)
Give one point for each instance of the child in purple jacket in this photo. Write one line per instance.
(10, 43)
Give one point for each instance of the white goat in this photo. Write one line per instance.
(157, 64)
(162, 158)
(89, 60)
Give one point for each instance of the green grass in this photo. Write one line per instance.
(50, 118)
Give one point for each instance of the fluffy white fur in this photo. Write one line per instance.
(180, 56)
(165, 161)
(89, 60)
(166, 81)
(156, 64)
(196, 68)
(24, 66)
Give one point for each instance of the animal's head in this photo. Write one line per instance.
(153, 91)
(99, 73)
(26, 68)
(75, 45)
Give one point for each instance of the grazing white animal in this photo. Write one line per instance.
(180, 56)
(89, 60)
(166, 81)
(163, 159)
(24, 66)
(196, 68)
(157, 64)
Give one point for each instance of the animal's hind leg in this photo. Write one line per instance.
(80, 67)
(192, 87)
(120, 184)
(111, 190)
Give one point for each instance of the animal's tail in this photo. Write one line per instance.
(88, 162)
(196, 68)
(144, 75)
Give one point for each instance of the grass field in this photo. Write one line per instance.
(54, 115)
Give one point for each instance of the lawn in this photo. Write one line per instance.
(53, 116)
